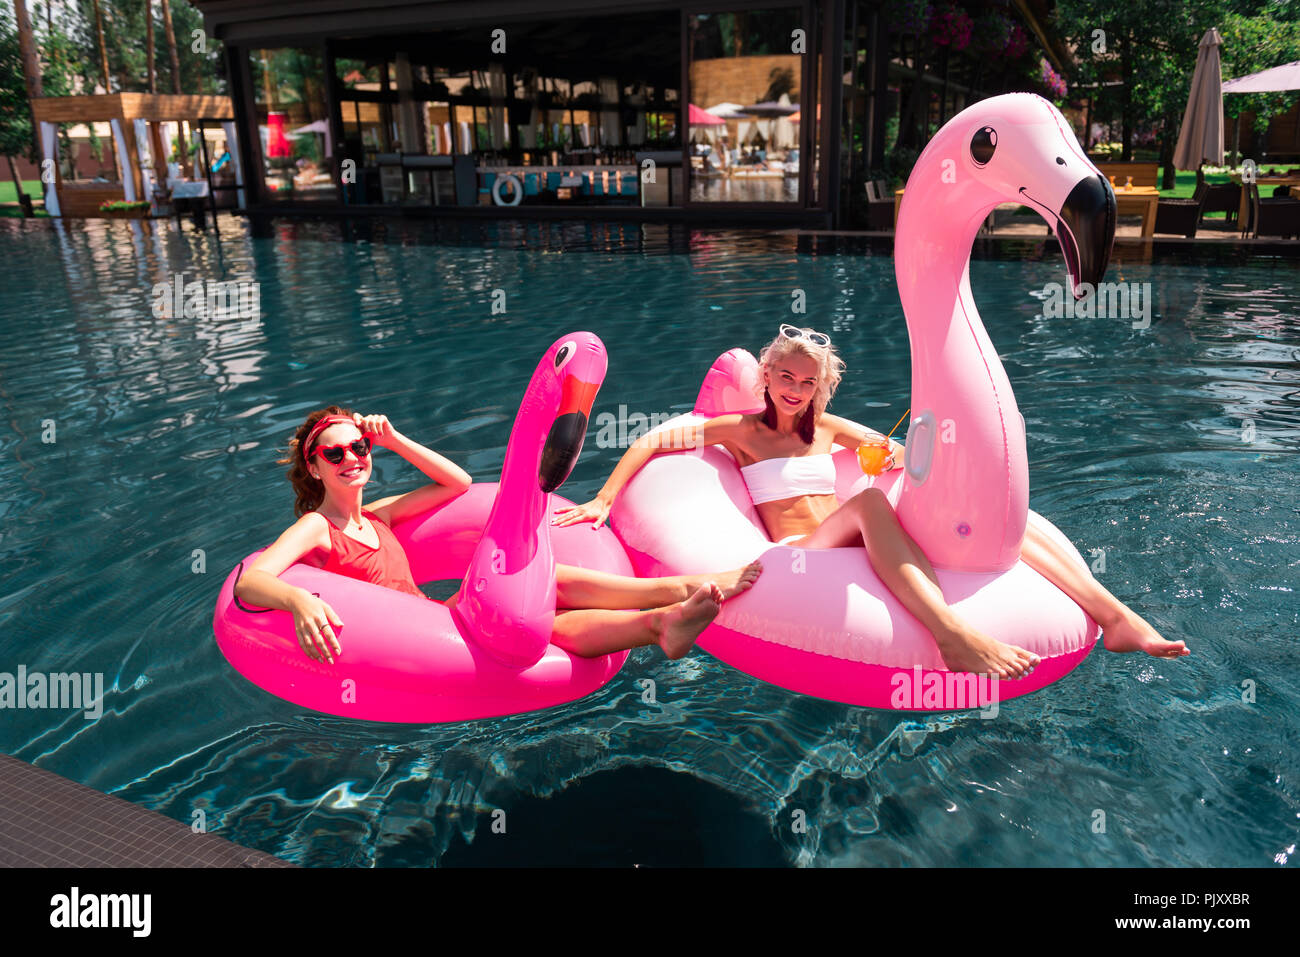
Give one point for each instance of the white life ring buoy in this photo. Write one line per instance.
(517, 192)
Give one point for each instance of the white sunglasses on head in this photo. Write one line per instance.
(794, 332)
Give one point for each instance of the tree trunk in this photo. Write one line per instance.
(148, 34)
(24, 200)
(31, 67)
(1126, 120)
(171, 45)
(103, 63)
(103, 50)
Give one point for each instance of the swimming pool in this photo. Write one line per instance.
(1170, 449)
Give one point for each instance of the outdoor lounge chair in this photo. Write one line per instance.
(1279, 216)
(880, 209)
(1222, 198)
(1179, 215)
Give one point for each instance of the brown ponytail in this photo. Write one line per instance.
(309, 492)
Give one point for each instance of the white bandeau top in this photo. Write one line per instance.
(772, 479)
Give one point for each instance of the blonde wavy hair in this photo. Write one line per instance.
(830, 371)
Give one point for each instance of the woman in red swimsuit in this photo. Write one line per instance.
(329, 465)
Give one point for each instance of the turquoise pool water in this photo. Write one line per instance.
(1171, 448)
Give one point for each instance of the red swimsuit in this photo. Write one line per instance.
(386, 565)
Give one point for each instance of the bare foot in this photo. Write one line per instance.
(965, 649)
(682, 623)
(1131, 632)
(738, 580)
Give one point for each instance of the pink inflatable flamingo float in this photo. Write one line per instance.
(409, 659)
(820, 621)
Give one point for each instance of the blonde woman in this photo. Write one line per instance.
(785, 458)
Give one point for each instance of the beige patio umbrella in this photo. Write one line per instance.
(1201, 138)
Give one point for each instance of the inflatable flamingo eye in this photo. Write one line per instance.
(565, 354)
(982, 145)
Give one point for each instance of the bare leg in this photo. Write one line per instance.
(590, 632)
(585, 588)
(1122, 628)
(902, 566)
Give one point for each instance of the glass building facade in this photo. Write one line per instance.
(798, 113)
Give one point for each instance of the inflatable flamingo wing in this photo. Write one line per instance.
(507, 600)
(965, 498)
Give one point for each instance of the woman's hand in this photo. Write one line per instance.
(378, 427)
(314, 622)
(596, 511)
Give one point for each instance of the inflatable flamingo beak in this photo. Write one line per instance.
(564, 442)
(1085, 228)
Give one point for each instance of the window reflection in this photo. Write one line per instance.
(292, 121)
(744, 111)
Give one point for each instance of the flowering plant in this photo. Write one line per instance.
(951, 26)
(1051, 79)
(990, 34)
(909, 16)
(1017, 43)
(122, 205)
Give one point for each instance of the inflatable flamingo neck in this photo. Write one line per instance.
(965, 498)
(507, 600)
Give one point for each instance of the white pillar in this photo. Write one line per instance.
(50, 150)
(143, 151)
(123, 162)
(165, 132)
(610, 122)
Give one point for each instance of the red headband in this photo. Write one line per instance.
(324, 423)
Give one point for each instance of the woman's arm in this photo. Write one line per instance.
(713, 432)
(449, 479)
(850, 435)
(260, 584)
(314, 621)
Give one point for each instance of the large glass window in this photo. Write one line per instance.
(293, 129)
(746, 73)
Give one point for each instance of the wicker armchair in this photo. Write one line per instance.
(1222, 198)
(1180, 215)
(1277, 216)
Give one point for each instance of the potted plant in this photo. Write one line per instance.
(124, 209)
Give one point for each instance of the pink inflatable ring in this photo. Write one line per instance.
(820, 621)
(409, 659)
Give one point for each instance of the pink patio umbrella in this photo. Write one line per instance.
(699, 117)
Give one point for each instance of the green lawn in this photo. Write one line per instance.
(10, 195)
(1185, 183)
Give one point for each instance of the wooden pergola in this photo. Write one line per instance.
(136, 120)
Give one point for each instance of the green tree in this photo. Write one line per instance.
(1251, 44)
(1143, 76)
(16, 133)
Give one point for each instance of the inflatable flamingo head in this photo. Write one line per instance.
(570, 374)
(1018, 148)
(507, 601)
(965, 498)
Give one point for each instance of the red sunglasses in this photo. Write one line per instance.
(334, 453)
